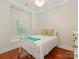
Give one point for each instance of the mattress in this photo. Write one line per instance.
(39, 48)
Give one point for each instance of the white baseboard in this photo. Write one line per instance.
(66, 47)
(7, 49)
(13, 47)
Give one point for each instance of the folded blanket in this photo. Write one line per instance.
(32, 38)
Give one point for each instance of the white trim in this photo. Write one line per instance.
(22, 7)
(55, 6)
(7, 49)
(66, 47)
(14, 47)
(19, 6)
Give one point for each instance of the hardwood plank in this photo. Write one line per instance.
(56, 53)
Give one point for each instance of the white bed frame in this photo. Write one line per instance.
(39, 50)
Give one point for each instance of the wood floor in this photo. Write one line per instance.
(56, 53)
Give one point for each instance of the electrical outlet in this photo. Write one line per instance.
(15, 40)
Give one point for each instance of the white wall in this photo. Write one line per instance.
(62, 18)
(8, 17)
(28, 18)
(5, 35)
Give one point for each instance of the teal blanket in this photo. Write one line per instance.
(32, 38)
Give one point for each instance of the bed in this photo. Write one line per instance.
(41, 47)
(37, 45)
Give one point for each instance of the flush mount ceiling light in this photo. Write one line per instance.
(40, 3)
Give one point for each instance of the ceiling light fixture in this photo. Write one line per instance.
(40, 3)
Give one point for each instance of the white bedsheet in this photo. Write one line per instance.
(41, 47)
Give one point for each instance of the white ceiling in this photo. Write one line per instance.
(30, 5)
